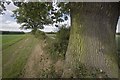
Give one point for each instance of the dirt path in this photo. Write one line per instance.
(38, 64)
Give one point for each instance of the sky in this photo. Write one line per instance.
(118, 26)
(8, 23)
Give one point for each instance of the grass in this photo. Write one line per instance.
(118, 49)
(8, 40)
(0, 56)
(16, 50)
(0, 39)
(118, 42)
(51, 35)
(57, 43)
(15, 56)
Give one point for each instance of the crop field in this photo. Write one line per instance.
(15, 52)
(8, 40)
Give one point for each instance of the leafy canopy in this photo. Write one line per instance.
(35, 15)
(2, 6)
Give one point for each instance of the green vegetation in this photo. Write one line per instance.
(51, 35)
(39, 34)
(16, 55)
(83, 71)
(57, 45)
(8, 40)
(14, 58)
(0, 39)
(118, 48)
(89, 36)
(118, 42)
(0, 64)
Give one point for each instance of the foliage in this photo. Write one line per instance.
(33, 31)
(62, 37)
(39, 34)
(50, 32)
(89, 72)
(118, 47)
(2, 6)
(34, 15)
(57, 47)
(49, 73)
(12, 32)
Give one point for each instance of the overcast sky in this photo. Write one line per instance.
(8, 23)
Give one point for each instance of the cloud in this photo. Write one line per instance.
(8, 23)
(11, 7)
(10, 26)
(118, 26)
(50, 28)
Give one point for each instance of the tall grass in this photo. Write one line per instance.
(57, 46)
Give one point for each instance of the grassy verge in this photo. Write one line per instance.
(118, 42)
(118, 50)
(57, 43)
(0, 56)
(16, 55)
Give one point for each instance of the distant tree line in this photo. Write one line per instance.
(11, 32)
(50, 32)
(117, 33)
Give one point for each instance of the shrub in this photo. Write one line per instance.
(33, 31)
(62, 37)
(57, 47)
(39, 34)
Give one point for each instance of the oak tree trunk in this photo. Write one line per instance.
(92, 50)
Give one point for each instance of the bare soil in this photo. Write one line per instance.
(40, 65)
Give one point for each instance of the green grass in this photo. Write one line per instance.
(51, 35)
(118, 42)
(17, 49)
(0, 56)
(118, 49)
(15, 56)
(8, 40)
(0, 39)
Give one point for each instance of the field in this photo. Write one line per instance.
(15, 52)
(8, 40)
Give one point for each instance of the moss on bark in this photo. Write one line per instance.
(92, 39)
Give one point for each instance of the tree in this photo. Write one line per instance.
(34, 15)
(92, 41)
(2, 6)
(91, 50)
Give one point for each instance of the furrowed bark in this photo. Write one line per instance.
(92, 41)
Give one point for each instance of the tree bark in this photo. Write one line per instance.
(92, 50)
